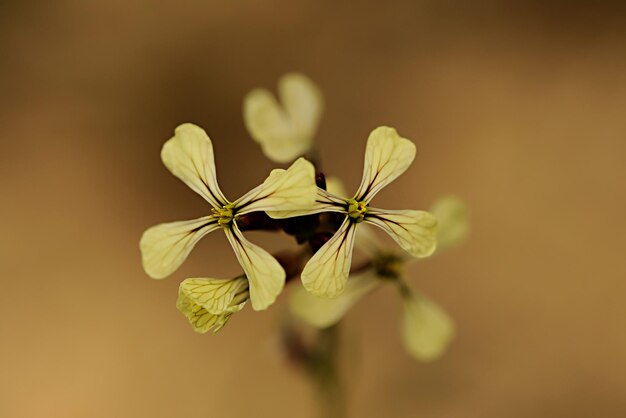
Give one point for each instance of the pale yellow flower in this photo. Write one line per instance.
(209, 303)
(189, 156)
(426, 329)
(284, 130)
(387, 156)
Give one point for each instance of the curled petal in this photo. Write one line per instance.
(426, 328)
(326, 273)
(284, 132)
(284, 190)
(414, 230)
(217, 296)
(325, 312)
(452, 221)
(209, 303)
(266, 276)
(164, 247)
(387, 156)
(189, 156)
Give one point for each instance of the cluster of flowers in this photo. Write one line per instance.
(325, 220)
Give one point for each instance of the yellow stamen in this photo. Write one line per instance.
(224, 215)
(356, 210)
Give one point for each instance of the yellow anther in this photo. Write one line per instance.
(224, 215)
(356, 210)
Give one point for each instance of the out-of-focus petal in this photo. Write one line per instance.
(303, 102)
(324, 312)
(426, 328)
(452, 221)
(284, 132)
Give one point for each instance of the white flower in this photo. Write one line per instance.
(387, 156)
(284, 130)
(189, 156)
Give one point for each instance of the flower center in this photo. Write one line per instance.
(224, 215)
(357, 210)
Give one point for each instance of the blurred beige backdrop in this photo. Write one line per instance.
(518, 107)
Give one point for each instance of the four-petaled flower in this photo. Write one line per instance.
(426, 328)
(189, 156)
(387, 156)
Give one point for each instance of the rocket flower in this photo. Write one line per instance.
(426, 328)
(284, 130)
(387, 156)
(164, 247)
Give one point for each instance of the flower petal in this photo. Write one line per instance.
(426, 328)
(199, 317)
(217, 296)
(285, 190)
(414, 230)
(164, 247)
(387, 156)
(324, 202)
(327, 271)
(266, 276)
(284, 133)
(324, 312)
(303, 102)
(189, 156)
(452, 221)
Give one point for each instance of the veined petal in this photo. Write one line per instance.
(164, 247)
(426, 329)
(284, 133)
(452, 221)
(414, 230)
(286, 190)
(191, 294)
(327, 271)
(324, 312)
(217, 296)
(387, 156)
(189, 156)
(324, 202)
(266, 276)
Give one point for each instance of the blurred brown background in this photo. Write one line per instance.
(518, 107)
